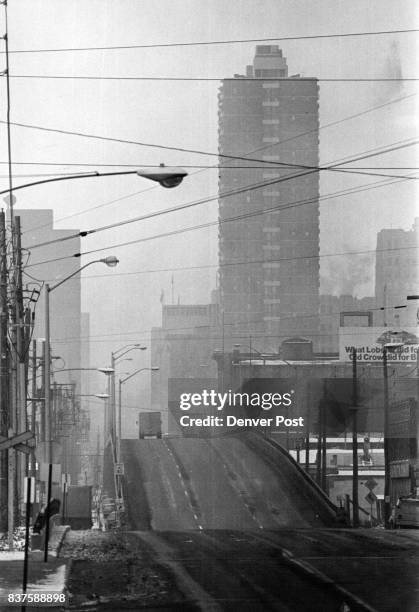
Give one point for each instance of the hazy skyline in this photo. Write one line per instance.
(124, 303)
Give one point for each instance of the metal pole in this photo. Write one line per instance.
(319, 444)
(119, 433)
(323, 462)
(64, 497)
(47, 509)
(386, 443)
(47, 378)
(355, 502)
(33, 412)
(21, 416)
(119, 420)
(4, 373)
(113, 402)
(307, 456)
(28, 516)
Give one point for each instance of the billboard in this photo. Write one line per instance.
(369, 343)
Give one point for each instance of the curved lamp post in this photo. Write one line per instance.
(164, 175)
(110, 261)
(115, 357)
(121, 382)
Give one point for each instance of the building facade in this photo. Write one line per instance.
(182, 349)
(397, 275)
(269, 221)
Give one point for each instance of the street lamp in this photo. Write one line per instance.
(121, 382)
(110, 261)
(166, 176)
(118, 451)
(115, 357)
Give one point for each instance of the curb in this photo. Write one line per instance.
(307, 569)
(57, 539)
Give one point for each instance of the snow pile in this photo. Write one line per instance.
(18, 540)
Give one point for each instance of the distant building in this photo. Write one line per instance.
(397, 275)
(273, 291)
(48, 264)
(182, 349)
(331, 308)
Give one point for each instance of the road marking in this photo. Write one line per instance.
(185, 491)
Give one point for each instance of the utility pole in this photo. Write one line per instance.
(4, 371)
(386, 444)
(33, 404)
(355, 502)
(21, 416)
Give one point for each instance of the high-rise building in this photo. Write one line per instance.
(182, 348)
(48, 263)
(397, 275)
(268, 252)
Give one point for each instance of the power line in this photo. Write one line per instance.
(163, 147)
(228, 325)
(189, 166)
(263, 147)
(233, 264)
(234, 192)
(214, 79)
(219, 42)
(218, 222)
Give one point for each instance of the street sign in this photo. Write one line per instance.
(16, 440)
(119, 469)
(371, 498)
(370, 484)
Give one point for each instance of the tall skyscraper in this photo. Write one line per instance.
(397, 275)
(268, 252)
(48, 263)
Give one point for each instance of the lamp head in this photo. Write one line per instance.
(107, 371)
(154, 368)
(167, 176)
(102, 395)
(111, 261)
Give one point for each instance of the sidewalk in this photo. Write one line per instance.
(43, 578)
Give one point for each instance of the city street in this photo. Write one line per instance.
(237, 530)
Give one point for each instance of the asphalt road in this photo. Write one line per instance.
(217, 483)
(241, 529)
(292, 570)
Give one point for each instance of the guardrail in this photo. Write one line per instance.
(278, 448)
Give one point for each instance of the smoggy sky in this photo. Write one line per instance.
(125, 303)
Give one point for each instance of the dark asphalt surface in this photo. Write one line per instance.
(237, 570)
(219, 483)
(241, 529)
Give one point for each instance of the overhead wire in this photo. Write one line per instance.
(205, 225)
(56, 77)
(155, 146)
(220, 42)
(239, 263)
(265, 147)
(194, 203)
(240, 334)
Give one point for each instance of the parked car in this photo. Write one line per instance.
(407, 512)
